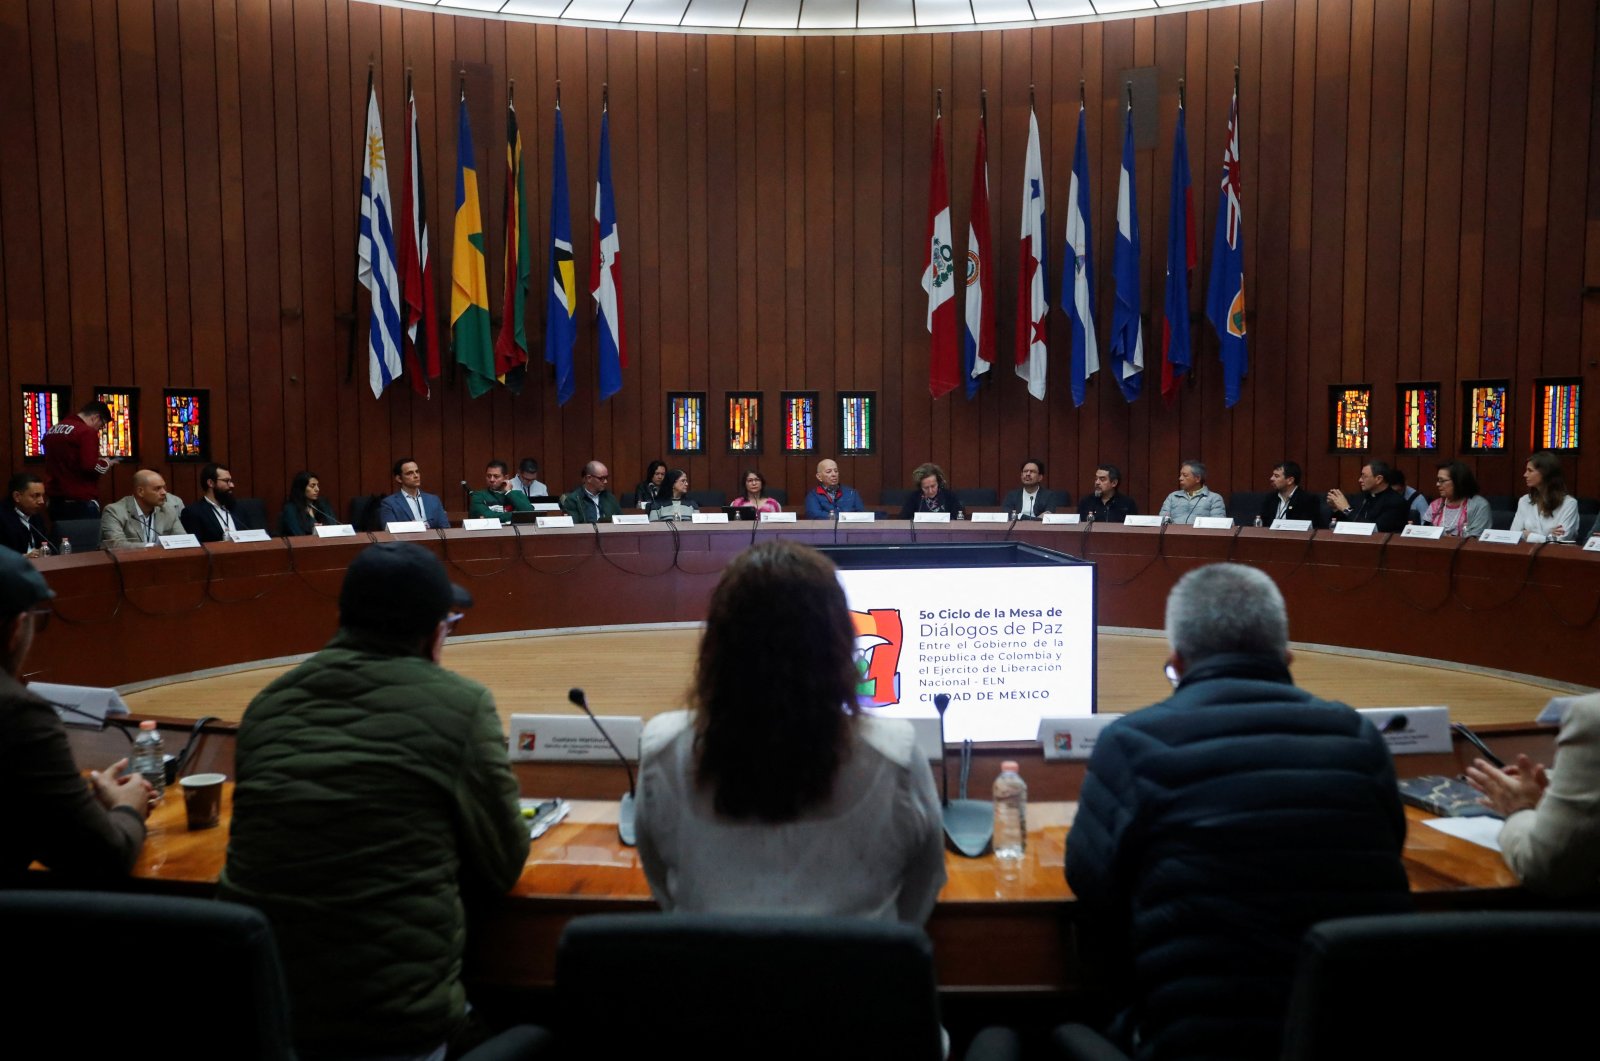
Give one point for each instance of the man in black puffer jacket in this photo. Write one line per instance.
(1215, 827)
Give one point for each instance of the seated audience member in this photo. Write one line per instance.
(1107, 504)
(1546, 508)
(1287, 500)
(23, 529)
(1416, 502)
(674, 504)
(373, 800)
(1551, 836)
(1031, 500)
(592, 501)
(827, 499)
(1376, 503)
(1459, 508)
(933, 494)
(86, 830)
(755, 494)
(836, 814)
(409, 502)
(214, 515)
(1192, 498)
(143, 516)
(305, 511)
(497, 498)
(648, 492)
(527, 480)
(1217, 826)
(73, 464)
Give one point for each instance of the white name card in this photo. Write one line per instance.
(1213, 522)
(179, 541)
(1060, 517)
(709, 517)
(544, 522)
(567, 737)
(480, 523)
(1300, 525)
(337, 530)
(1592, 545)
(633, 518)
(1415, 530)
(255, 535)
(991, 517)
(777, 517)
(91, 703)
(1142, 521)
(930, 517)
(1412, 730)
(405, 526)
(546, 506)
(1364, 530)
(857, 517)
(1501, 537)
(1072, 738)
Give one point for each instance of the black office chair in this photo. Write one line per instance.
(740, 987)
(1245, 505)
(253, 510)
(1502, 518)
(895, 499)
(84, 534)
(978, 497)
(779, 494)
(709, 500)
(364, 511)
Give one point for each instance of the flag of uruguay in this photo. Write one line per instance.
(1127, 329)
(375, 252)
(1077, 280)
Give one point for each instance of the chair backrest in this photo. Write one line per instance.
(978, 497)
(1359, 979)
(1245, 505)
(363, 510)
(220, 992)
(1502, 518)
(747, 987)
(709, 498)
(253, 511)
(84, 534)
(779, 494)
(895, 499)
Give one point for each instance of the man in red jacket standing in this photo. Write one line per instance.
(73, 464)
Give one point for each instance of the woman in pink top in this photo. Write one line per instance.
(755, 494)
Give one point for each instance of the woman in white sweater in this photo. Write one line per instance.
(1546, 509)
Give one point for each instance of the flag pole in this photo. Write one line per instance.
(355, 288)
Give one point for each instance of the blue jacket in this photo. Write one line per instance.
(1212, 831)
(820, 506)
(396, 509)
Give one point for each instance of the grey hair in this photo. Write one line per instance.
(1196, 469)
(1226, 608)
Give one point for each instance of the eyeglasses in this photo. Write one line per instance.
(602, 478)
(1172, 674)
(451, 620)
(41, 618)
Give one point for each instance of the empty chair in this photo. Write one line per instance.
(709, 499)
(977, 497)
(894, 499)
(84, 534)
(779, 494)
(252, 511)
(1245, 505)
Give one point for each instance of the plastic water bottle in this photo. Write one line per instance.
(1010, 813)
(66, 546)
(149, 756)
(1258, 521)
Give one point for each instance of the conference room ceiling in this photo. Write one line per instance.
(833, 17)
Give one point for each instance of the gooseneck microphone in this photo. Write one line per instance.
(941, 703)
(466, 495)
(625, 814)
(968, 823)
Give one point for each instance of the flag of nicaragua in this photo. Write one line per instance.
(1127, 329)
(1077, 276)
(1032, 305)
(375, 256)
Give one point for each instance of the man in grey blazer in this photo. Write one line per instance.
(143, 516)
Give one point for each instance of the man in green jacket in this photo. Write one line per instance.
(592, 501)
(373, 795)
(497, 498)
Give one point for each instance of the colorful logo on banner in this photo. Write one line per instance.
(879, 637)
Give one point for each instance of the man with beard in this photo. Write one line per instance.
(214, 515)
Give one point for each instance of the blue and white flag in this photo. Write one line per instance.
(375, 255)
(605, 272)
(1077, 269)
(1033, 304)
(1127, 329)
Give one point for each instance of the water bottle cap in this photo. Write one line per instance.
(148, 723)
(1009, 766)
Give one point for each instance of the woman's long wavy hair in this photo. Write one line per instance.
(775, 684)
(1552, 488)
(297, 489)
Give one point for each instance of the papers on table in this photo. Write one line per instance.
(1483, 831)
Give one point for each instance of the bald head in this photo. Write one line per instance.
(149, 489)
(828, 473)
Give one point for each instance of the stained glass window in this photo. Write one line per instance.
(120, 437)
(1352, 416)
(744, 422)
(187, 417)
(1485, 416)
(858, 421)
(1419, 416)
(686, 422)
(1556, 406)
(799, 421)
(42, 407)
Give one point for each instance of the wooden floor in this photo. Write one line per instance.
(646, 672)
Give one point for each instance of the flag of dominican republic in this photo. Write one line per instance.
(469, 278)
(1225, 296)
(375, 255)
(561, 326)
(939, 276)
(1033, 306)
(416, 272)
(1127, 329)
(977, 340)
(1176, 355)
(1077, 269)
(511, 346)
(605, 272)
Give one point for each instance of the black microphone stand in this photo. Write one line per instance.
(625, 812)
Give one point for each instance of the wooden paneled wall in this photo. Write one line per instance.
(178, 193)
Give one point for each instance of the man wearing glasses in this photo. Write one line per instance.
(592, 501)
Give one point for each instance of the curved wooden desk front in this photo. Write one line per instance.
(133, 616)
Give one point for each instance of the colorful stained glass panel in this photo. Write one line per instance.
(1352, 417)
(799, 422)
(686, 423)
(1558, 405)
(117, 438)
(858, 422)
(185, 415)
(744, 423)
(42, 407)
(1419, 417)
(1486, 416)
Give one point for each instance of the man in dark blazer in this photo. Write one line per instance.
(1031, 500)
(409, 502)
(1376, 504)
(214, 515)
(22, 529)
(1287, 500)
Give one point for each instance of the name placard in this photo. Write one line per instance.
(336, 530)
(709, 517)
(179, 541)
(857, 517)
(1301, 525)
(1416, 530)
(91, 703)
(1072, 738)
(1142, 521)
(256, 534)
(405, 526)
(568, 737)
(777, 517)
(1592, 545)
(1213, 522)
(544, 522)
(1501, 537)
(930, 517)
(632, 518)
(481, 523)
(1412, 730)
(1061, 517)
(546, 506)
(1360, 530)
(991, 517)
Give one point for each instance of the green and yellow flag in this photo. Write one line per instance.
(469, 279)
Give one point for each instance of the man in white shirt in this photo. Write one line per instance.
(527, 479)
(143, 516)
(213, 517)
(409, 503)
(1031, 500)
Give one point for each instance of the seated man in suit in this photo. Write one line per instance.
(828, 498)
(144, 515)
(409, 502)
(1108, 504)
(22, 529)
(1288, 501)
(1031, 500)
(592, 501)
(214, 515)
(497, 498)
(1376, 504)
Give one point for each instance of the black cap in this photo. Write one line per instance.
(398, 588)
(21, 585)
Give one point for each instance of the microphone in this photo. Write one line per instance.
(968, 823)
(625, 816)
(941, 703)
(466, 495)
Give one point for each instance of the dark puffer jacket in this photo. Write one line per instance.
(1213, 829)
(373, 789)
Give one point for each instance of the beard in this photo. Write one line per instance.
(224, 497)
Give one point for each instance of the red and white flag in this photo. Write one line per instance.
(1033, 306)
(939, 277)
(416, 273)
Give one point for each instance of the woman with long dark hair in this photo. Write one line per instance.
(305, 510)
(674, 502)
(774, 792)
(1459, 508)
(1546, 508)
(648, 492)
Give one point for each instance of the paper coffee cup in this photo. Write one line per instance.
(202, 798)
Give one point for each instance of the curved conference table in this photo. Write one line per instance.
(135, 616)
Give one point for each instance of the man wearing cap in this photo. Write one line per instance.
(85, 830)
(373, 795)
